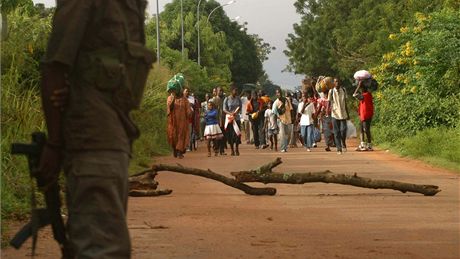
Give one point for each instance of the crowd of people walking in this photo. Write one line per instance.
(303, 117)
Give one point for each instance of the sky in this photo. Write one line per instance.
(272, 20)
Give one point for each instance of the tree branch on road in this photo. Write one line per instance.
(264, 174)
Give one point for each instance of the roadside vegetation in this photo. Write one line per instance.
(413, 50)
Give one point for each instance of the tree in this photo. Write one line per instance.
(216, 55)
(249, 51)
(7, 7)
(338, 37)
(419, 81)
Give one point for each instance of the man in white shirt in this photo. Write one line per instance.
(338, 100)
(282, 108)
(306, 109)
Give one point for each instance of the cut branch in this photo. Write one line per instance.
(143, 184)
(149, 193)
(218, 177)
(144, 180)
(267, 176)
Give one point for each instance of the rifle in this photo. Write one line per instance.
(41, 217)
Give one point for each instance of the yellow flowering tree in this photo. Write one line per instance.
(420, 81)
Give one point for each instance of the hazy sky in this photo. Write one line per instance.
(272, 20)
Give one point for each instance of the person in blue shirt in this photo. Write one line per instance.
(212, 131)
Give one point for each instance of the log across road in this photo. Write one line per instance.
(203, 218)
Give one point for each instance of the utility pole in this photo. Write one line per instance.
(158, 33)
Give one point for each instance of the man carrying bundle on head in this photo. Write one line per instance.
(365, 112)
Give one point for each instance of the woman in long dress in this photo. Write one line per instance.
(232, 108)
(179, 112)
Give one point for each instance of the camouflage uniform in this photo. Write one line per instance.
(90, 38)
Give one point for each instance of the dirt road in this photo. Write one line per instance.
(206, 219)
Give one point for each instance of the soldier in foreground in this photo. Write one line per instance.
(93, 75)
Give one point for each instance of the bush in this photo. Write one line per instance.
(420, 82)
(20, 106)
(151, 120)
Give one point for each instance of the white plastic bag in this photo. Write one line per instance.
(362, 74)
(351, 130)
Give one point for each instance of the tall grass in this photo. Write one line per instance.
(20, 107)
(21, 115)
(151, 120)
(436, 146)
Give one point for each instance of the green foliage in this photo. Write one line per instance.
(20, 104)
(151, 120)
(215, 57)
(339, 37)
(420, 80)
(10, 5)
(24, 47)
(227, 51)
(438, 146)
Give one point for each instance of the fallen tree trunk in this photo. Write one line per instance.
(265, 175)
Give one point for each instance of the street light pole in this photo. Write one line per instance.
(158, 33)
(220, 6)
(198, 30)
(198, 25)
(182, 27)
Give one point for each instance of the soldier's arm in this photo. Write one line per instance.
(52, 88)
(54, 91)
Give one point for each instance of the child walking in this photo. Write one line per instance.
(272, 126)
(212, 132)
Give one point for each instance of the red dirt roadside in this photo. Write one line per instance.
(203, 218)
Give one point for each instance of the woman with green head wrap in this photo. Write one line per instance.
(178, 112)
(176, 83)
